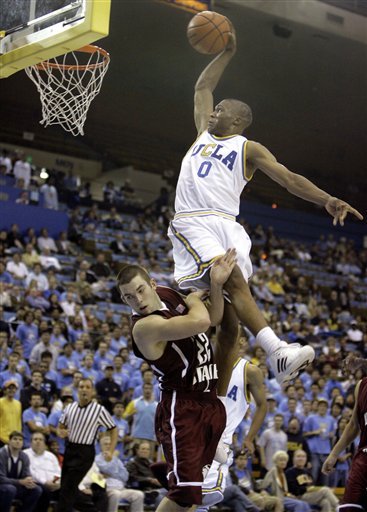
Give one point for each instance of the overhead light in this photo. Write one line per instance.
(44, 174)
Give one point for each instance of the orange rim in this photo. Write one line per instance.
(85, 49)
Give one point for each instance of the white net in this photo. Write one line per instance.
(68, 84)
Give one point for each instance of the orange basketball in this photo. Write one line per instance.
(208, 32)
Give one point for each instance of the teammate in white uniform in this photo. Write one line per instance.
(246, 379)
(213, 174)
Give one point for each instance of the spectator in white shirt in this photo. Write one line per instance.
(354, 334)
(271, 441)
(16, 267)
(45, 470)
(37, 276)
(45, 241)
(22, 170)
(43, 345)
(48, 261)
(50, 196)
(68, 305)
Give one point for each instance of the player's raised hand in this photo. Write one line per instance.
(232, 41)
(223, 266)
(328, 466)
(248, 446)
(339, 209)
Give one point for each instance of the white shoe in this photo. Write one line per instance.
(287, 362)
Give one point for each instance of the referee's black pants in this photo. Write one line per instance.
(78, 459)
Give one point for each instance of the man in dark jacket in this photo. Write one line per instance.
(15, 476)
(300, 484)
(108, 390)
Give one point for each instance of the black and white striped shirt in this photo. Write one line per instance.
(83, 422)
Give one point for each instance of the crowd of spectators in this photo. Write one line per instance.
(61, 319)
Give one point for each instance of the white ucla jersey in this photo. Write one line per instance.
(213, 175)
(237, 399)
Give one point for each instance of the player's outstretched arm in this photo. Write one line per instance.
(350, 433)
(298, 185)
(207, 82)
(255, 382)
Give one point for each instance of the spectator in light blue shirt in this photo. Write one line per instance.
(11, 373)
(292, 412)
(270, 414)
(67, 364)
(79, 350)
(5, 276)
(142, 411)
(54, 417)
(33, 419)
(148, 378)
(338, 477)
(122, 427)
(136, 378)
(28, 334)
(87, 369)
(57, 338)
(333, 382)
(319, 430)
(116, 477)
(120, 374)
(117, 340)
(102, 357)
(290, 392)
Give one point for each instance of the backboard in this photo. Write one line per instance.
(32, 31)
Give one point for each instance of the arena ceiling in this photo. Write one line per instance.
(307, 89)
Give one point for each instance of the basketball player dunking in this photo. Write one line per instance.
(213, 174)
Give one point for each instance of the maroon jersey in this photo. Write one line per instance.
(355, 496)
(187, 364)
(362, 413)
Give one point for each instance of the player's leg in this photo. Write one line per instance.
(226, 348)
(286, 361)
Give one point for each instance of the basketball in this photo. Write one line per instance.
(208, 32)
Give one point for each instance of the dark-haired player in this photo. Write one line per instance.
(169, 333)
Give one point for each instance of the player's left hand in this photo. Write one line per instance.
(222, 267)
(339, 209)
(328, 466)
(248, 446)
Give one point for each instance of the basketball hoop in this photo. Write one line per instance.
(68, 84)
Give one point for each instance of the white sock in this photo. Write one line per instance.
(268, 340)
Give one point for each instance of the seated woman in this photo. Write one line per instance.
(275, 482)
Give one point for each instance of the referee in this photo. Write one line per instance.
(79, 423)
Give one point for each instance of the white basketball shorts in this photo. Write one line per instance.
(199, 239)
